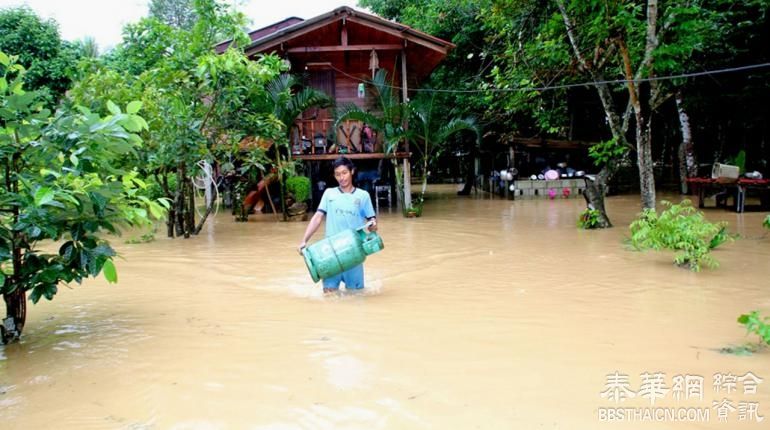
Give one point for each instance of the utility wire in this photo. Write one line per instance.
(584, 84)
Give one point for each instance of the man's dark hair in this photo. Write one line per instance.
(343, 161)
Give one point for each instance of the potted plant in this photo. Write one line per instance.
(415, 210)
(298, 188)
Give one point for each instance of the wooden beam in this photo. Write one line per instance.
(380, 47)
(404, 88)
(372, 22)
(292, 35)
(550, 143)
(353, 156)
(344, 34)
(400, 34)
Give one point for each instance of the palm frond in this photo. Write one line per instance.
(383, 87)
(280, 87)
(352, 112)
(456, 125)
(304, 100)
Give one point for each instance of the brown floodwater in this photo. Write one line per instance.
(482, 314)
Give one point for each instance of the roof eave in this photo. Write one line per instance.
(273, 38)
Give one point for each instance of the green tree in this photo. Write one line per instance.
(61, 184)
(287, 99)
(176, 13)
(88, 47)
(570, 41)
(431, 135)
(50, 62)
(735, 35)
(145, 45)
(198, 104)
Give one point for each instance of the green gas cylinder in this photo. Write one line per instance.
(343, 251)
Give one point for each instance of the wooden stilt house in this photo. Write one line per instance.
(339, 52)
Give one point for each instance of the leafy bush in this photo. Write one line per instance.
(603, 152)
(766, 222)
(679, 228)
(299, 187)
(415, 211)
(144, 238)
(757, 324)
(154, 190)
(589, 218)
(62, 184)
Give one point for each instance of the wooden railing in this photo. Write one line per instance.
(312, 140)
(312, 137)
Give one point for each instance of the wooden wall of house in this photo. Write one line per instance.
(354, 70)
(340, 79)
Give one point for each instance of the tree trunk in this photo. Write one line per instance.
(162, 180)
(596, 188)
(170, 221)
(279, 165)
(179, 201)
(15, 301)
(190, 219)
(687, 166)
(643, 136)
(646, 172)
(644, 148)
(470, 177)
(209, 209)
(16, 315)
(424, 186)
(644, 124)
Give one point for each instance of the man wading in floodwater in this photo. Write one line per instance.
(344, 207)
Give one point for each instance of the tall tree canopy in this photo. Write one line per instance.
(198, 104)
(49, 61)
(176, 13)
(507, 46)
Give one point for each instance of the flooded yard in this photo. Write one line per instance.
(482, 314)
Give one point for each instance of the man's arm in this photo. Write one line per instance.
(369, 214)
(312, 227)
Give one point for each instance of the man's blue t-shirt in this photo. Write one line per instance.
(345, 210)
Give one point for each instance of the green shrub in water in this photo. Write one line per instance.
(145, 238)
(415, 211)
(679, 228)
(766, 223)
(757, 324)
(589, 218)
(299, 187)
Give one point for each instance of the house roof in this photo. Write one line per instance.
(321, 35)
(345, 12)
(262, 32)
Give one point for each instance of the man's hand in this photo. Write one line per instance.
(372, 225)
(301, 246)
